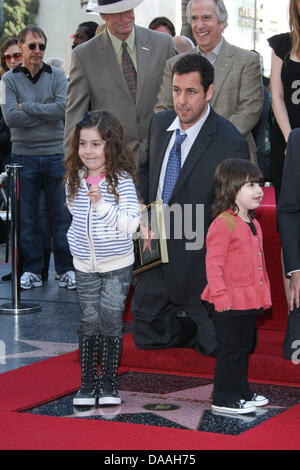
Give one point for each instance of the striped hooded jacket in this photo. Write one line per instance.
(100, 235)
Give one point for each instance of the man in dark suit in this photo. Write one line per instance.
(167, 309)
(119, 70)
(288, 216)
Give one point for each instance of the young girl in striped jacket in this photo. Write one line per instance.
(102, 198)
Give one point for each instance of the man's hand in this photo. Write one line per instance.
(294, 291)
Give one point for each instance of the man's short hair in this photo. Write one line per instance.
(221, 11)
(90, 28)
(162, 21)
(31, 28)
(195, 63)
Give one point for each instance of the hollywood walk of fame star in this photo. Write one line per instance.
(43, 349)
(147, 236)
(189, 406)
(185, 407)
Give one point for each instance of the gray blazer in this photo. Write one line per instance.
(97, 82)
(238, 89)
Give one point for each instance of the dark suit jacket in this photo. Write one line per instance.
(288, 209)
(238, 90)
(217, 140)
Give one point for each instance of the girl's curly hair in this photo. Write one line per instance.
(119, 158)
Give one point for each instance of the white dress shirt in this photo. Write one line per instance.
(186, 146)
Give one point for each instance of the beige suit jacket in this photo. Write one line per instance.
(238, 89)
(97, 82)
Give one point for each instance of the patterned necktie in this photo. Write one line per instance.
(129, 70)
(173, 167)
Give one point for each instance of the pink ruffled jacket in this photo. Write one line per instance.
(235, 265)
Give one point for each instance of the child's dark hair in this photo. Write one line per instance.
(118, 156)
(230, 176)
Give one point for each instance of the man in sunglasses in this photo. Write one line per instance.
(34, 109)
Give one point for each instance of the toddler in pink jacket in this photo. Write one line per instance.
(238, 287)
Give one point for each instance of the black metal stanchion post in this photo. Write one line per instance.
(15, 307)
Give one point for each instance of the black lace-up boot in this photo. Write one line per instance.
(89, 354)
(110, 357)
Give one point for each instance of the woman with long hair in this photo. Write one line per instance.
(10, 57)
(285, 71)
(285, 91)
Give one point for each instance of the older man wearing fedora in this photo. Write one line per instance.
(120, 70)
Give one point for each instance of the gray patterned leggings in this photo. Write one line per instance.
(102, 299)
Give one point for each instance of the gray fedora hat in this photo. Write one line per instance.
(115, 6)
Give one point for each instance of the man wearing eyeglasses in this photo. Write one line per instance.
(33, 106)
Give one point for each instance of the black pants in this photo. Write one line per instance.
(159, 323)
(235, 336)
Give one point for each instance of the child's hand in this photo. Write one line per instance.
(94, 193)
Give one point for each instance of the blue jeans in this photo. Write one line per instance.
(46, 170)
(45, 222)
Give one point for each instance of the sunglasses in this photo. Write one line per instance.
(33, 46)
(14, 56)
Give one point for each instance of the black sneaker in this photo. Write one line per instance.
(108, 394)
(257, 400)
(86, 395)
(238, 407)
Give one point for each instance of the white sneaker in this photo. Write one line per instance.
(238, 407)
(67, 280)
(258, 400)
(29, 280)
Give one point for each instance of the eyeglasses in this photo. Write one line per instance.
(14, 56)
(33, 46)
